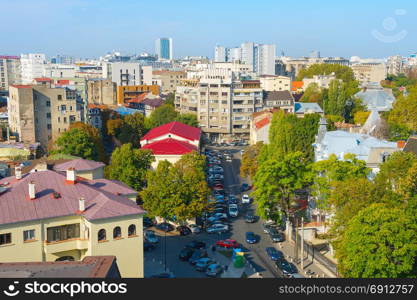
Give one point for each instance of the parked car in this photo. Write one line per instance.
(202, 264)
(148, 222)
(251, 238)
(218, 187)
(228, 244)
(266, 227)
(214, 270)
(186, 253)
(165, 227)
(233, 199)
(286, 267)
(275, 235)
(194, 228)
(184, 230)
(250, 218)
(196, 256)
(218, 228)
(233, 210)
(148, 246)
(196, 245)
(245, 199)
(151, 237)
(245, 187)
(163, 275)
(274, 254)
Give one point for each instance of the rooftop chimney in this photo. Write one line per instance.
(71, 175)
(81, 204)
(18, 172)
(32, 191)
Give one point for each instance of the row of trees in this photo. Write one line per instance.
(373, 224)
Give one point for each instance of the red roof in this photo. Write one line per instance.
(170, 147)
(177, 128)
(138, 99)
(262, 123)
(79, 165)
(103, 198)
(63, 82)
(9, 57)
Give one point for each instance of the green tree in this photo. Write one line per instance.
(170, 99)
(130, 166)
(76, 142)
(313, 93)
(95, 135)
(162, 115)
(188, 119)
(114, 126)
(249, 164)
(276, 182)
(177, 192)
(360, 117)
(330, 171)
(380, 242)
(341, 72)
(404, 112)
(132, 129)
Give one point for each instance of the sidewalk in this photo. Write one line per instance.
(154, 267)
(320, 271)
(232, 272)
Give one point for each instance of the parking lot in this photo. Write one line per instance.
(170, 246)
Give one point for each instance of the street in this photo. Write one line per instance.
(255, 253)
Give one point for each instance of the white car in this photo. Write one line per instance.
(245, 199)
(194, 228)
(218, 228)
(233, 210)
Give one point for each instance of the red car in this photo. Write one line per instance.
(228, 244)
(218, 187)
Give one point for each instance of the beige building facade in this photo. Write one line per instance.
(102, 91)
(167, 80)
(40, 114)
(370, 72)
(275, 83)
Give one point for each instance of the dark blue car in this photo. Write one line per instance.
(245, 187)
(274, 254)
(251, 238)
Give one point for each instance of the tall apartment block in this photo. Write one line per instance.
(10, 71)
(222, 102)
(164, 48)
(40, 113)
(260, 56)
(33, 66)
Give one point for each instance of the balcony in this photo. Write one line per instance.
(66, 245)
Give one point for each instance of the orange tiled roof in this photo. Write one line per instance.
(297, 85)
(100, 106)
(262, 123)
(43, 79)
(138, 99)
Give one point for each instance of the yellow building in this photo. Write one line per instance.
(57, 216)
(125, 93)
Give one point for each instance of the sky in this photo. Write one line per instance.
(91, 28)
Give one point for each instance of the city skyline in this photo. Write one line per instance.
(296, 29)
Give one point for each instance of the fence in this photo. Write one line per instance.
(315, 254)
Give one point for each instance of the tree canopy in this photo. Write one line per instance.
(95, 135)
(249, 164)
(177, 192)
(130, 166)
(379, 242)
(341, 72)
(404, 112)
(76, 142)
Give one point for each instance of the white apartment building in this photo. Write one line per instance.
(33, 66)
(60, 71)
(260, 56)
(396, 65)
(367, 73)
(322, 81)
(272, 83)
(10, 71)
(220, 54)
(130, 73)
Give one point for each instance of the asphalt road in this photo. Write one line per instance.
(170, 246)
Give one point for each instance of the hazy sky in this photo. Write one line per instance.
(90, 28)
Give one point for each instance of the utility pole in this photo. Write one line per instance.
(296, 238)
(302, 243)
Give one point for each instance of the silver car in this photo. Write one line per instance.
(194, 228)
(214, 270)
(218, 228)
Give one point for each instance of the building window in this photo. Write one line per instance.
(131, 231)
(65, 258)
(5, 238)
(29, 235)
(117, 232)
(101, 236)
(48, 103)
(48, 115)
(59, 97)
(49, 126)
(62, 233)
